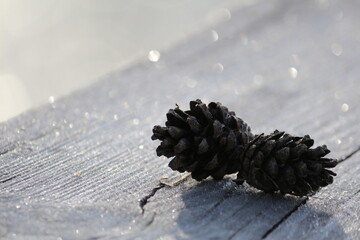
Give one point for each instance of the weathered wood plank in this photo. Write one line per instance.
(332, 214)
(78, 167)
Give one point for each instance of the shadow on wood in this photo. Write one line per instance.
(223, 210)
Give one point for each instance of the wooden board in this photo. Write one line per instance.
(84, 167)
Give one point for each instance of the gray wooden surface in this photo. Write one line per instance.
(79, 167)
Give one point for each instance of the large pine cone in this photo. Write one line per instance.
(281, 162)
(205, 140)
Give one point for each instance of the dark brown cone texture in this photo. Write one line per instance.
(205, 140)
(281, 162)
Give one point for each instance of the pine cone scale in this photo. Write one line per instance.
(288, 163)
(203, 147)
(209, 140)
(205, 140)
(176, 133)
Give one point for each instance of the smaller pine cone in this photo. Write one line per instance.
(281, 162)
(205, 140)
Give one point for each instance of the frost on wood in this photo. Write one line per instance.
(82, 163)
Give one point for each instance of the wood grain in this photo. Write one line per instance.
(79, 167)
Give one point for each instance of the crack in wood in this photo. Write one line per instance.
(349, 155)
(151, 220)
(11, 148)
(244, 226)
(356, 193)
(2, 153)
(284, 218)
(227, 195)
(145, 199)
(8, 179)
(305, 200)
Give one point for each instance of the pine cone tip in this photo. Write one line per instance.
(285, 163)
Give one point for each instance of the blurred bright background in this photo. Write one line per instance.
(49, 48)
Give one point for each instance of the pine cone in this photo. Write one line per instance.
(205, 140)
(286, 163)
